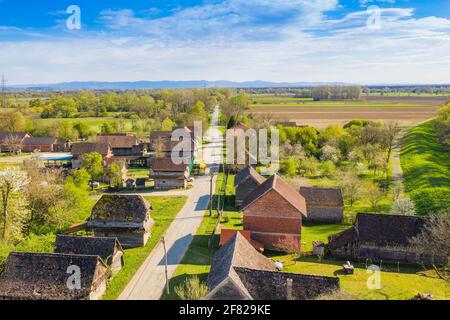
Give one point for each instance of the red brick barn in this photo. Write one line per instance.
(273, 213)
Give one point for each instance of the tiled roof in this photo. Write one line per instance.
(167, 165)
(248, 172)
(82, 148)
(118, 141)
(322, 196)
(282, 188)
(20, 135)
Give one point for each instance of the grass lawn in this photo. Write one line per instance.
(426, 168)
(94, 123)
(395, 285)
(164, 211)
(138, 173)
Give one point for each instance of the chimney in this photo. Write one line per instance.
(289, 289)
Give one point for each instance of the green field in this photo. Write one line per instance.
(164, 211)
(426, 169)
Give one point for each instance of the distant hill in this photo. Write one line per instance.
(79, 85)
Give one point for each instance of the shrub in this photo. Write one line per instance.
(431, 200)
(403, 206)
(192, 289)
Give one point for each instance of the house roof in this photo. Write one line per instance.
(322, 196)
(248, 172)
(167, 165)
(254, 275)
(237, 252)
(20, 135)
(118, 140)
(103, 247)
(238, 127)
(282, 188)
(82, 148)
(388, 228)
(40, 140)
(44, 276)
(121, 208)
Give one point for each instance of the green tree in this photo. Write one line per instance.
(81, 178)
(93, 164)
(115, 176)
(167, 125)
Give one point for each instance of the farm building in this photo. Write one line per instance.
(324, 205)
(45, 144)
(126, 218)
(108, 249)
(79, 149)
(168, 175)
(127, 147)
(12, 141)
(245, 182)
(44, 276)
(382, 237)
(239, 272)
(273, 213)
(162, 143)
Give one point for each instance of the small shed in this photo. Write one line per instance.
(125, 217)
(324, 205)
(108, 249)
(53, 276)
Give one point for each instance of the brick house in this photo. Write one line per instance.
(273, 213)
(324, 205)
(79, 149)
(382, 237)
(246, 181)
(168, 175)
(44, 276)
(239, 272)
(45, 144)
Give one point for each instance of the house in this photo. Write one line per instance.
(12, 141)
(108, 249)
(127, 147)
(126, 218)
(45, 144)
(245, 182)
(162, 145)
(168, 175)
(239, 272)
(44, 276)
(382, 237)
(79, 149)
(227, 234)
(273, 213)
(324, 205)
(241, 136)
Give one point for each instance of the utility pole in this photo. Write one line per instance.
(211, 174)
(165, 262)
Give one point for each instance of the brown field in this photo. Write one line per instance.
(392, 110)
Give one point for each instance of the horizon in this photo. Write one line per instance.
(365, 42)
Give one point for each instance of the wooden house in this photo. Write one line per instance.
(79, 149)
(324, 205)
(382, 237)
(44, 276)
(239, 272)
(168, 175)
(108, 249)
(245, 182)
(125, 217)
(126, 147)
(273, 213)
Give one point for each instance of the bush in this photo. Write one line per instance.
(192, 289)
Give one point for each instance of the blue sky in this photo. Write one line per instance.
(355, 41)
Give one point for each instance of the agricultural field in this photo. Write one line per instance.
(407, 110)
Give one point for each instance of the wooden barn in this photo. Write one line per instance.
(45, 144)
(382, 237)
(125, 217)
(44, 276)
(79, 149)
(12, 141)
(239, 272)
(168, 175)
(108, 249)
(273, 213)
(324, 205)
(245, 182)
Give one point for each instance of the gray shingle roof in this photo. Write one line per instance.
(248, 172)
(322, 196)
(121, 208)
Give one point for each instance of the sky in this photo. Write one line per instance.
(351, 41)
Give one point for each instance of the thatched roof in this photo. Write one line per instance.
(121, 208)
(103, 247)
(322, 196)
(248, 173)
(38, 276)
(282, 188)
